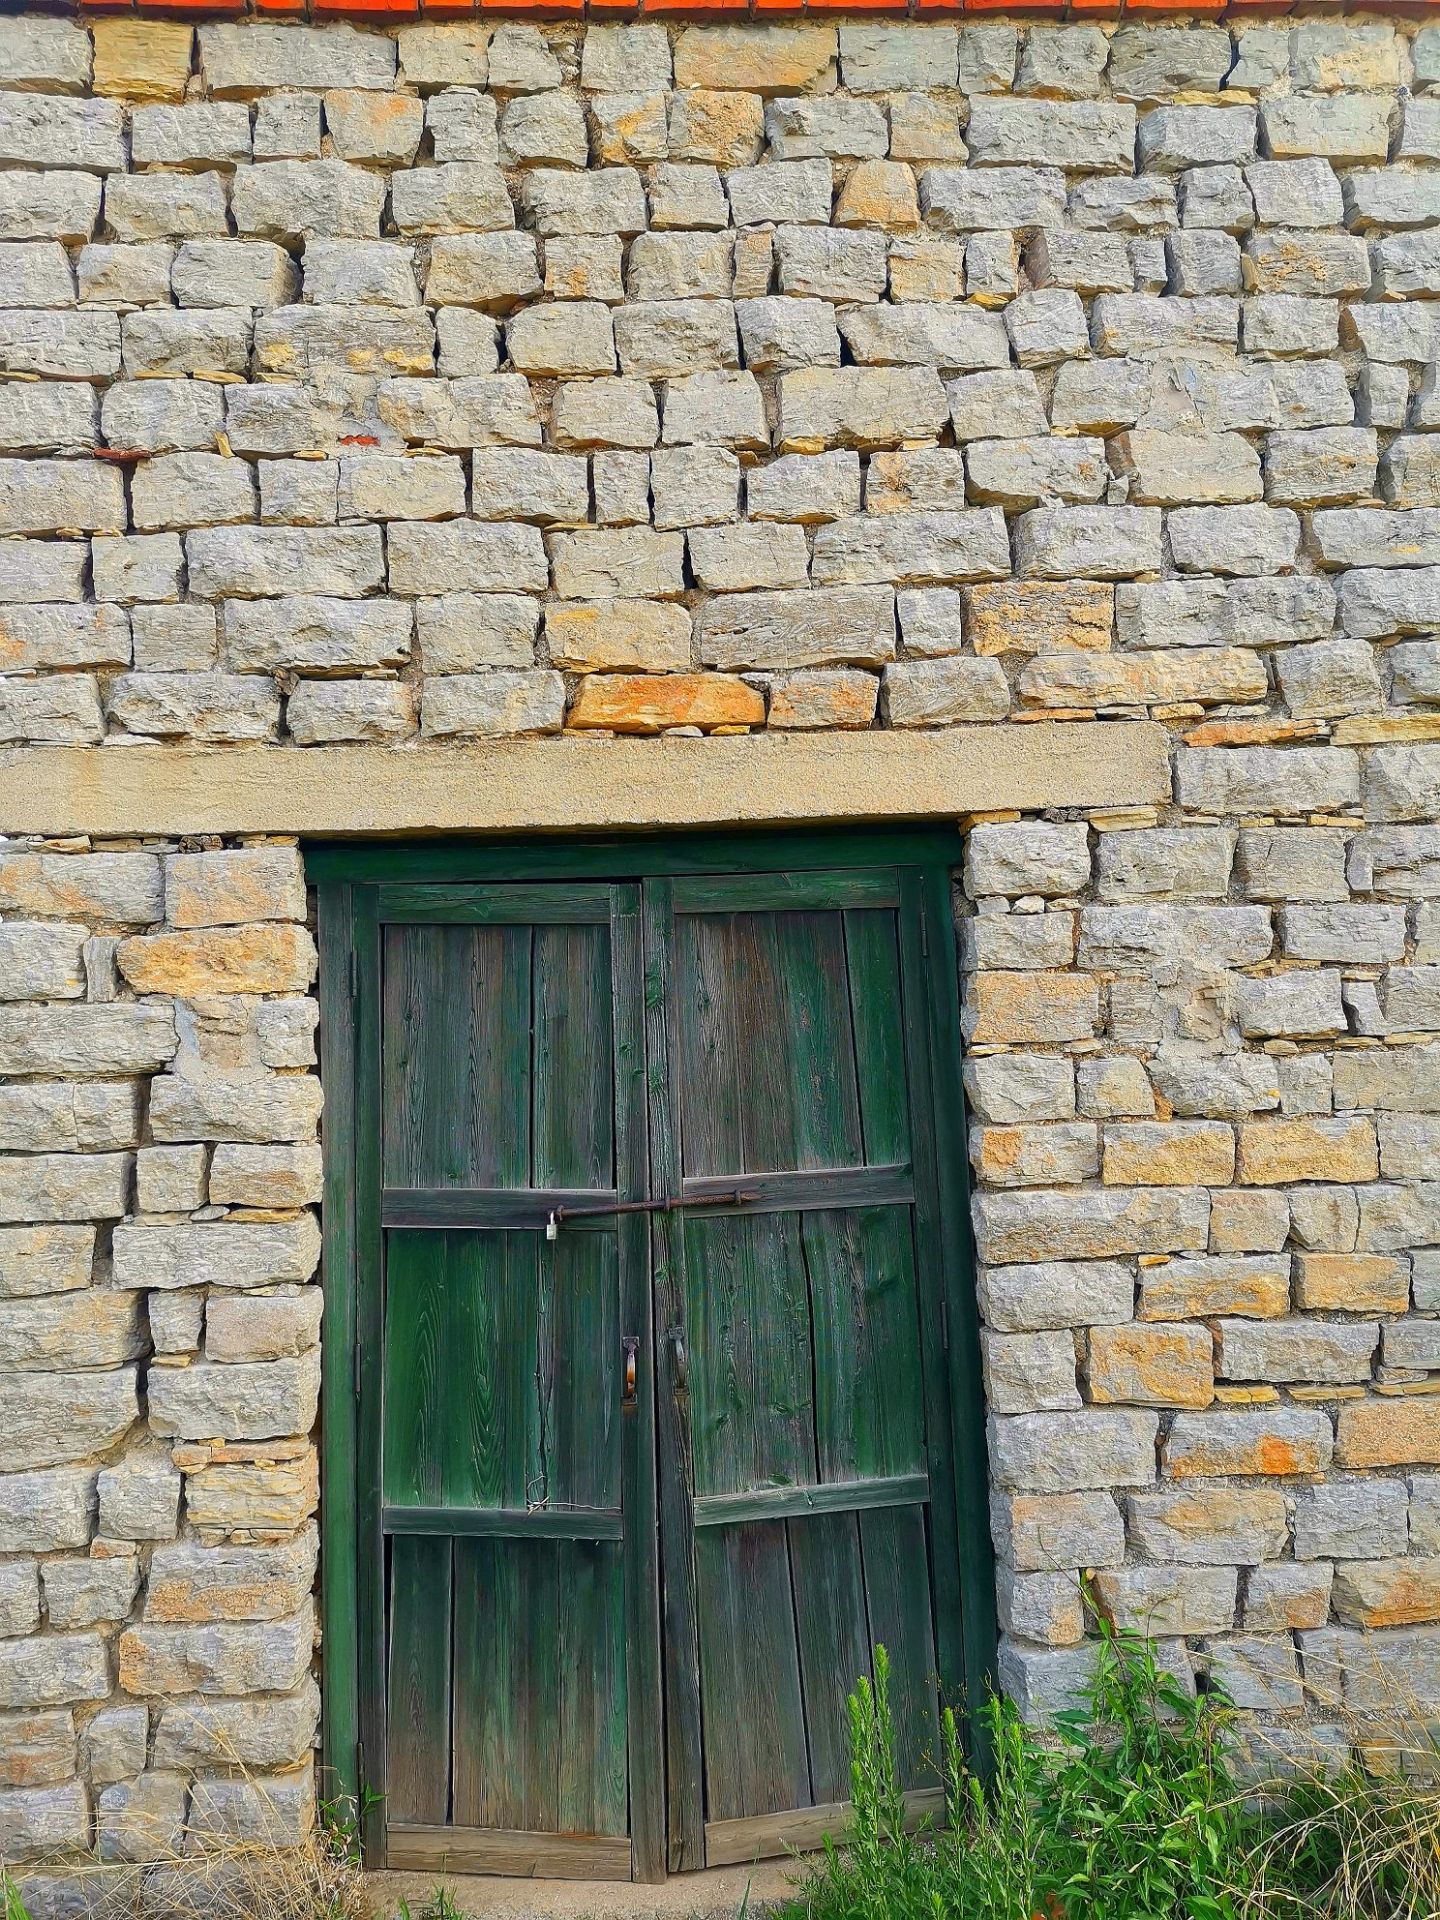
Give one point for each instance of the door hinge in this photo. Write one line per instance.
(359, 1777)
(355, 1365)
(945, 1326)
(354, 975)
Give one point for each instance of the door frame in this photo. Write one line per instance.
(344, 874)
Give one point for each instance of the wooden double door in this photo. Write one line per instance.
(664, 1401)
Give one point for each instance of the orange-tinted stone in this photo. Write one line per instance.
(1152, 1366)
(649, 703)
(1389, 1433)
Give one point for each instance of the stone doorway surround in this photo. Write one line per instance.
(377, 386)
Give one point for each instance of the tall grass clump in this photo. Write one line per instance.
(1131, 1813)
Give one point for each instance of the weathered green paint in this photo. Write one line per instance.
(533, 1024)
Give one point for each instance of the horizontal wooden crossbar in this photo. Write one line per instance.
(788, 1503)
(498, 1208)
(553, 1856)
(766, 1836)
(820, 1187)
(507, 1523)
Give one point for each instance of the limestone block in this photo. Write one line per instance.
(492, 703)
(192, 1584)
(959, 200)
(1049, 1533)
(1278, 1441)
(1034, 1156)
(207, 1103)
(44, 54)
(114, 1744)
(139, 1498)
(1172, 138)
(246, 1401)
(53, 1669)
(272, 1328)
(780, 335)
(1023, 1227)
(250, 1733)
(1072, 1452)
(99, 1329)
(82, 1593)
(40, 1822)
(224, 1658)
(607, 200)
(1020, 1086)
(1208, 1525)
(48, 206)
(765, 60)
(44, 1259)
(861, 407)
(1281, 1596)
(1266, 779)
(1164, 1600)
(217, 1253)
(465, 555)
(37, 1749)
(1155, 1366)
(827, 263)
(646, 703)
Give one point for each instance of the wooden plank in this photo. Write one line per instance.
(923, 1070)
(496, 1208)
(507, 1523)
(462, 1416)
(819, 1187)
(966, 1454)
(751, 1383)
(592, 1792)
(869, 1409)
(427, 902)
(730, 1843)
(873, 966)
(507, 1684)
(543, 1856)
(816, 1040)
(418, 1785)
(685, 1837)
(785, 892)
(755, 1752)
(578, 1371)
(645, 1723)
(638, 857)
(338, 1518)
(767, 1086)
(832, 1629)
(709, 1031)
(370, 1343)
(573, 1077)
(897, 1591)
(793, 1503)
(457, 1056)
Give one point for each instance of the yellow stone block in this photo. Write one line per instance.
(1154, 1366)
(1276, 1151)
(259, 959)
(1186, 1153)
(1031, 1007)
(142, 59)
(1352, 1282)
(1040, 616)
(1388, 1433)
(649, 703)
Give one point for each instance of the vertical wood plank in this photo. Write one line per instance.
(418, 1788)
(966, 1454)
(816, 1038)
(832, 1627)
(578, 1371)
(645, 1725)
(755, 1752)
(685, 1805)
(767, 1101)
(897, 1588)
(340, 1594)
(751, 1378)
(457, 1056)
(507, 1684)
(591, 1791)
(370, 1341)
(873, 967)
(574, 1069)
(869, 1415)
(710, 1030)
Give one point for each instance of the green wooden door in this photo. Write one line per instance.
(661, 1423)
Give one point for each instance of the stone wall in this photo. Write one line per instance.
(465, 380)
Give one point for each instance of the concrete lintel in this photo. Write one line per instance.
(570, 785)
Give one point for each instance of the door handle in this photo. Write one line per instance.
(679, 1362)
(630, 1345)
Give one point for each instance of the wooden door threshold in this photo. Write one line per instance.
(721, 1893)
(768, 1836)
